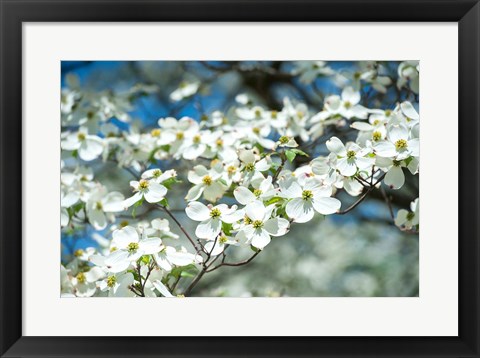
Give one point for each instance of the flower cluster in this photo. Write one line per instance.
(252, 173)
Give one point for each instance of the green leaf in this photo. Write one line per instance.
(184, 271)
(186, 274)
(135, 206)
(78, 207)
(223, 181)
(290, 155)
(275, 165)
(254, 249)
(169, 182)
(164, 202)
(299, 152)
(227, 228)
(145, 259)
(273, 200)
(75, 154)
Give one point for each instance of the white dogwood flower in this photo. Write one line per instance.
(307, 199)
(350, 158)
(263, 192)
(211, 218)
(259, 225)
(89, 147)
(117, 285)
(146, 189)
(409, 219)
(398, 144)
(101, 204)
(206, 182)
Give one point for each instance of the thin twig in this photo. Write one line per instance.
(180, 227)
(388, 201)
(241, 263)
(195, 281)
(280, 168)
(362, 198)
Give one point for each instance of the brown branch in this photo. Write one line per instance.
(362, 198)
(280, 168)
(235, 264)
(169, 213)
(388, 201)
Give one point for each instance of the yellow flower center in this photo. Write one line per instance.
(351, 154)
(258, 113)
(78, 253)
(274, 114)
(388, 113)
(376, 122)
(81, 277)
(256, 130)
(99, 205)
(207, 180)
(284, 139)
(143, 184)
(132, 247)
(257, 224)
(347, 104)
(247, 220)
(219, 143)
(376, 136)
(397, 163)
(156, 173)
(111, 281)
(180, 135)
(231, 169)
(156, 132)
(215, 213)
(257, 192)
(123, 223)
(307, 195)
(197, 139)
(249, 167)
(401, 144)
(81, 136)
(222, 239)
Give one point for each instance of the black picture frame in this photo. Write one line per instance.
(15, 12)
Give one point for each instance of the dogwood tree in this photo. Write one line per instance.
(247, 172)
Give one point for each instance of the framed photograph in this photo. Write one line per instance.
(239, 178)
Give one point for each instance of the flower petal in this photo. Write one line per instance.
(243, 195)
(276, 226)
(395, 178)
(336, 146)
(125, 236)
(156, 192)
(300, 210)
(326, 206)
(162, 288)
(255, 210)
(197, 211)
(260, 239)
(208, 229)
